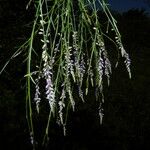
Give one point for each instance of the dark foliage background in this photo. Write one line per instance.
(126, 124)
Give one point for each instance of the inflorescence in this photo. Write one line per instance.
(73, 53)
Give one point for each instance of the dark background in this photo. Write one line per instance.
(125, 5)
(126, 123)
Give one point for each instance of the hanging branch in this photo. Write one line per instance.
(66, 28)
(73, 53)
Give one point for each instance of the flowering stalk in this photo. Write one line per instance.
(73, 54)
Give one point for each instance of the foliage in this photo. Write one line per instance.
(73, 56)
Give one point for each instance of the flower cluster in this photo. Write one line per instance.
(37, 98)
(100, 69)
(104, 65)
(46, 71)
(74, 55)
(79, 63)
(61, 107)
(82, 68)
(127, 62)
(69, 63)
(47, 74)
(124, 54)
(69, 70)
(50, 94)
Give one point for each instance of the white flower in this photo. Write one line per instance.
(42, 22)
(37, 98)
(61, 107)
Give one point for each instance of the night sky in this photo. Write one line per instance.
(124, 5)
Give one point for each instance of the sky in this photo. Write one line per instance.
(124, 5)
